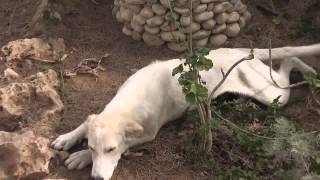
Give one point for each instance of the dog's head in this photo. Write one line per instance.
(110, 135)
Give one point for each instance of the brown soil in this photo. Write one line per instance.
(89, 30)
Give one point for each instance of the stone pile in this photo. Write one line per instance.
(159, 22)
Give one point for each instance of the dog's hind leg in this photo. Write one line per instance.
(298, 64)
(79, 160)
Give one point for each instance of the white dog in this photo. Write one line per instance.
(152, 97)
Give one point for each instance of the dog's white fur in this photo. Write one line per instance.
(152, 97)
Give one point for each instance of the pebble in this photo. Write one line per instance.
(218, 40)
(152, 40)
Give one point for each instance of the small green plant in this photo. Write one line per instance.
(277, 140)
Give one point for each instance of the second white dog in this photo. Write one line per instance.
(152, 97)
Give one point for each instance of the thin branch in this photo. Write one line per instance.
(61, 61)
(305, 165)
(202, 117)
(190, 30)
(315, 99)
(95, 2)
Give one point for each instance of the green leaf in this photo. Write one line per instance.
(203, 64)
(191, 59)
(313, 79)
(202, 51)
(177, 70)
(200, 92)
(191, 98)
(186, 78)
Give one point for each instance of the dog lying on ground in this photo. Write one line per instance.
(152, 97)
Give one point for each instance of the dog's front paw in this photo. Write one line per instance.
(65, 141)
(79, 160)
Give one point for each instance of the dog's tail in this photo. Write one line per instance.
(286, 52)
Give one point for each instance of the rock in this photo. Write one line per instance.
(201, 8)
(207, 1)
(10, 74)
(201, 42)
(135, 1)
(116, 2)
(152, 40)
(201, 34)
(33, 99)
(247, 16)
(183, 11)
(233, 17)
(170, 17)
(118, 17)
(136, 36)
(185, 20)
(126, 14)
(194, 27)
(136, 27)
(172, 36)
(24, 156)
(210, 7)
(222, 18)
(219, 28)
(179, 47)
(147, 12)
(115, 9)
(240, 7)
(222, 7)
(139, 19)
(242, 22)
(218, 40)
(232, 30)
(181, 3)
(151, 2)
(134, 8)
(209, 24)
(155, 21)
(158, 9)
(126, 31)
(35, 49)
(166, 26)
(151, 30)
(203, 16)
(165, 3)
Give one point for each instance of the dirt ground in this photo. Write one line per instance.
(89, 30)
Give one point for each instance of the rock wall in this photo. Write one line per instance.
(169, 22)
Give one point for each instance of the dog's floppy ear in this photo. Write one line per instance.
(133, 130)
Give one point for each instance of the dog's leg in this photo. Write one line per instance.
(293, 62)
(301, 66)
(79, 160)
(66, 141)
(287, 52)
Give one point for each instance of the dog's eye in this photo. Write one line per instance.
(108, 150)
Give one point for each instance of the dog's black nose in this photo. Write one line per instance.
(98, 178)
